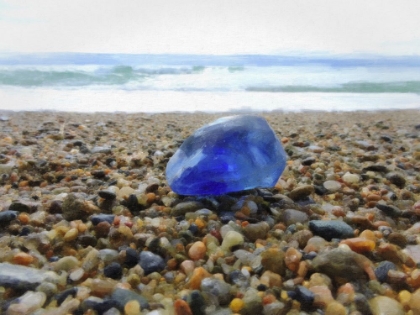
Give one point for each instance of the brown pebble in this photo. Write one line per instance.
(23, 259)
(182, 308)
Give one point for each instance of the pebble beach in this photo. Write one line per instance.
(89, 225)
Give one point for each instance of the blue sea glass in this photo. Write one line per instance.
(230, 154)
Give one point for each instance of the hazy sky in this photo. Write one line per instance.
(211, 26)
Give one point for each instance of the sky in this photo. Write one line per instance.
(211, 27)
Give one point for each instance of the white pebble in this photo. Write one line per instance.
(351, 178)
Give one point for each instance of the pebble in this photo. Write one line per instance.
(351, 178)
(21, 277)
(381, 271)
(273, 260)
(396, 178)
(217, 288)
(98, 218)
(132, 308)
(236, 305)
(342, 263)
(113, 271)
(383, 305)
(7, 216)
(151, 262)
(331, 229)
(27, 304)
(301, 192)
(123, 296)
(332, 186)
(255, 231)
(304, 296)
(389, 210)
(197, 251)
(231, 239)
(291, 216)
(66, 263)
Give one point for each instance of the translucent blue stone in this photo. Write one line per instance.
(230, 154)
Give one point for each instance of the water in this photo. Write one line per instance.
(162, 83)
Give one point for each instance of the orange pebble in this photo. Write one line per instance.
(292, 259)
(197, 276)
(22, 259)
(359, 245)
(182, 308)
(150, 197)
(200, 223)
(23, 218)
(268, 299)
(23, 183)
(368, 234)
(197, 250)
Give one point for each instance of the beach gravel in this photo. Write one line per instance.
(89, 225)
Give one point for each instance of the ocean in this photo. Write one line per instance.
(165, 83)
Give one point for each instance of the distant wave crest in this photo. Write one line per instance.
(351, 87)
(76, 77)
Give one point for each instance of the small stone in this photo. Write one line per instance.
(414, 302)
(309, 161)
(66, 263)
(182, 308)
(383, 305)
(197, 303)
(273, 260)
(230, 154)
(332, 186)
(184, 207)
(389, 210)
(252, 303)
(396, 178)
(107, 194)
(217, 288)
(21, 277)
(351, 178)
(343, 263)
(255, 231)
(291, 216)
(231, 239)
(301, 192)
(7, 216)
(113, 271)
(382, 269)
(132, 307)
(98, 218)
(62, 296)
(198, 275)
(71, 235)
(123, 296)
(22, 258)
(362, 304)
(91, 261)
(335, 308)
(331, 229)
(100, 149)
(236, 305)
(197, 251)
(271, 279)
(28, 303)
(304, 296)
(151, 262)
(77, 209)
(359, 245)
